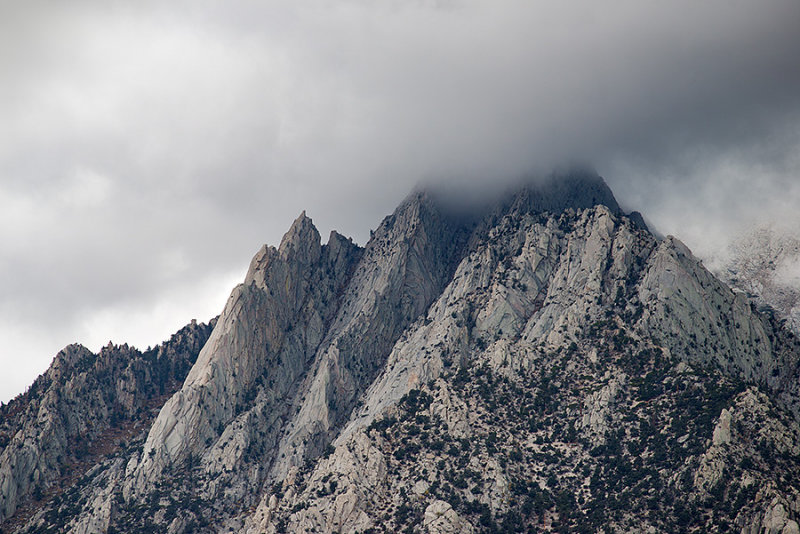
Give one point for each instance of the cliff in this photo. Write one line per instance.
(538, 362)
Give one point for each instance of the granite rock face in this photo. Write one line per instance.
(83, 400)
(537, 363)
(244, 377)
(557, 340)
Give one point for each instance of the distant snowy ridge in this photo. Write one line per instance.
(765, 264)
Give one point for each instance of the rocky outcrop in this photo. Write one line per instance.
(440, 518)
(575, 313)
(538, 363)
(241, 386)
(701, 318)
(404, 267)
(68, 411)
(294, 348)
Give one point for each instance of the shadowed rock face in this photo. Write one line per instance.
(537, 361)
(556, 341)
(300, 340)
(48, 431)
(264, 341)
(348, 318)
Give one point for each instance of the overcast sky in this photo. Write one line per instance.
(148, 149)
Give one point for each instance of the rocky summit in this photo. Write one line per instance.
(540, 362)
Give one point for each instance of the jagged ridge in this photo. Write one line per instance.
(501, 369)
(49, 433)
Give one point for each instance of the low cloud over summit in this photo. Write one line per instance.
(147, 151)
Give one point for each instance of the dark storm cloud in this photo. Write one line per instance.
(147, 150)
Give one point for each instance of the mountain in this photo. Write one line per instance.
(765, 264)
(536, 362)
(84, 407)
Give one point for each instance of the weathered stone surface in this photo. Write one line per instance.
(540, 364)
(560, 280)
(598, 411)
(242, 384)
(403, 269)
(722, 432)
(79, 399)
(440, 518)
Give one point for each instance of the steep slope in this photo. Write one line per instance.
(562, 382)
(293, 350)
(261, 346)
(403, 268)
(539, 362)
(84, 399)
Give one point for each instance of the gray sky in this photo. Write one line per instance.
(148, 150)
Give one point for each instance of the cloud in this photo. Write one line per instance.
(147, 150)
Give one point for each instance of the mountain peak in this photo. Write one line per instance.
(302, 242)
(530, 359)
(577, 187)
